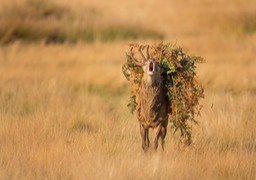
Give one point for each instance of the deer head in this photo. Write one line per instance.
(152, 69)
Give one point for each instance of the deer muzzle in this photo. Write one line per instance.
(151, 67)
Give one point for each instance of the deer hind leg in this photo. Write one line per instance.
(163, 133)
(144, 136)
(160, 132)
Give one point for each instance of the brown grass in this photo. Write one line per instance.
(63, 107)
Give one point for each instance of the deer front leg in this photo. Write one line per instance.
(157, 135)
(144, 136)
(147, 139)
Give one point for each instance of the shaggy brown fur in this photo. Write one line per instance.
(152, 107)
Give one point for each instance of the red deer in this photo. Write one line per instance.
(152, 103)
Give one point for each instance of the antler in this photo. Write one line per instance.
(131, 56)
(134, 59)
(141, 47)
(148, 56)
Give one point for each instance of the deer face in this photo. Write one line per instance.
(152, 72)
(151, 67)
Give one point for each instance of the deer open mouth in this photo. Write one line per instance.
(151, 67)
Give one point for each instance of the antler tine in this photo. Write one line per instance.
(134, 59)
(141, 47)
(148, 56)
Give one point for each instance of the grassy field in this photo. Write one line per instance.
(63, 110)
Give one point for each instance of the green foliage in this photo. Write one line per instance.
(183, 89)
(132, 103)
(181, 85)
(133, 74)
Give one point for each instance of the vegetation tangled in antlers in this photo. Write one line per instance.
(181, 84)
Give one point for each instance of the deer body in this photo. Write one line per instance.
(152, 112)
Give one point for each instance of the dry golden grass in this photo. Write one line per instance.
(63, 107)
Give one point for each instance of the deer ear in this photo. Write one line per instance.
(160, 67)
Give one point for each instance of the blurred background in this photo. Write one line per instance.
(220, 31)
(56, 21)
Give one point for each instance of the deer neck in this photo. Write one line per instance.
(152, 81)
